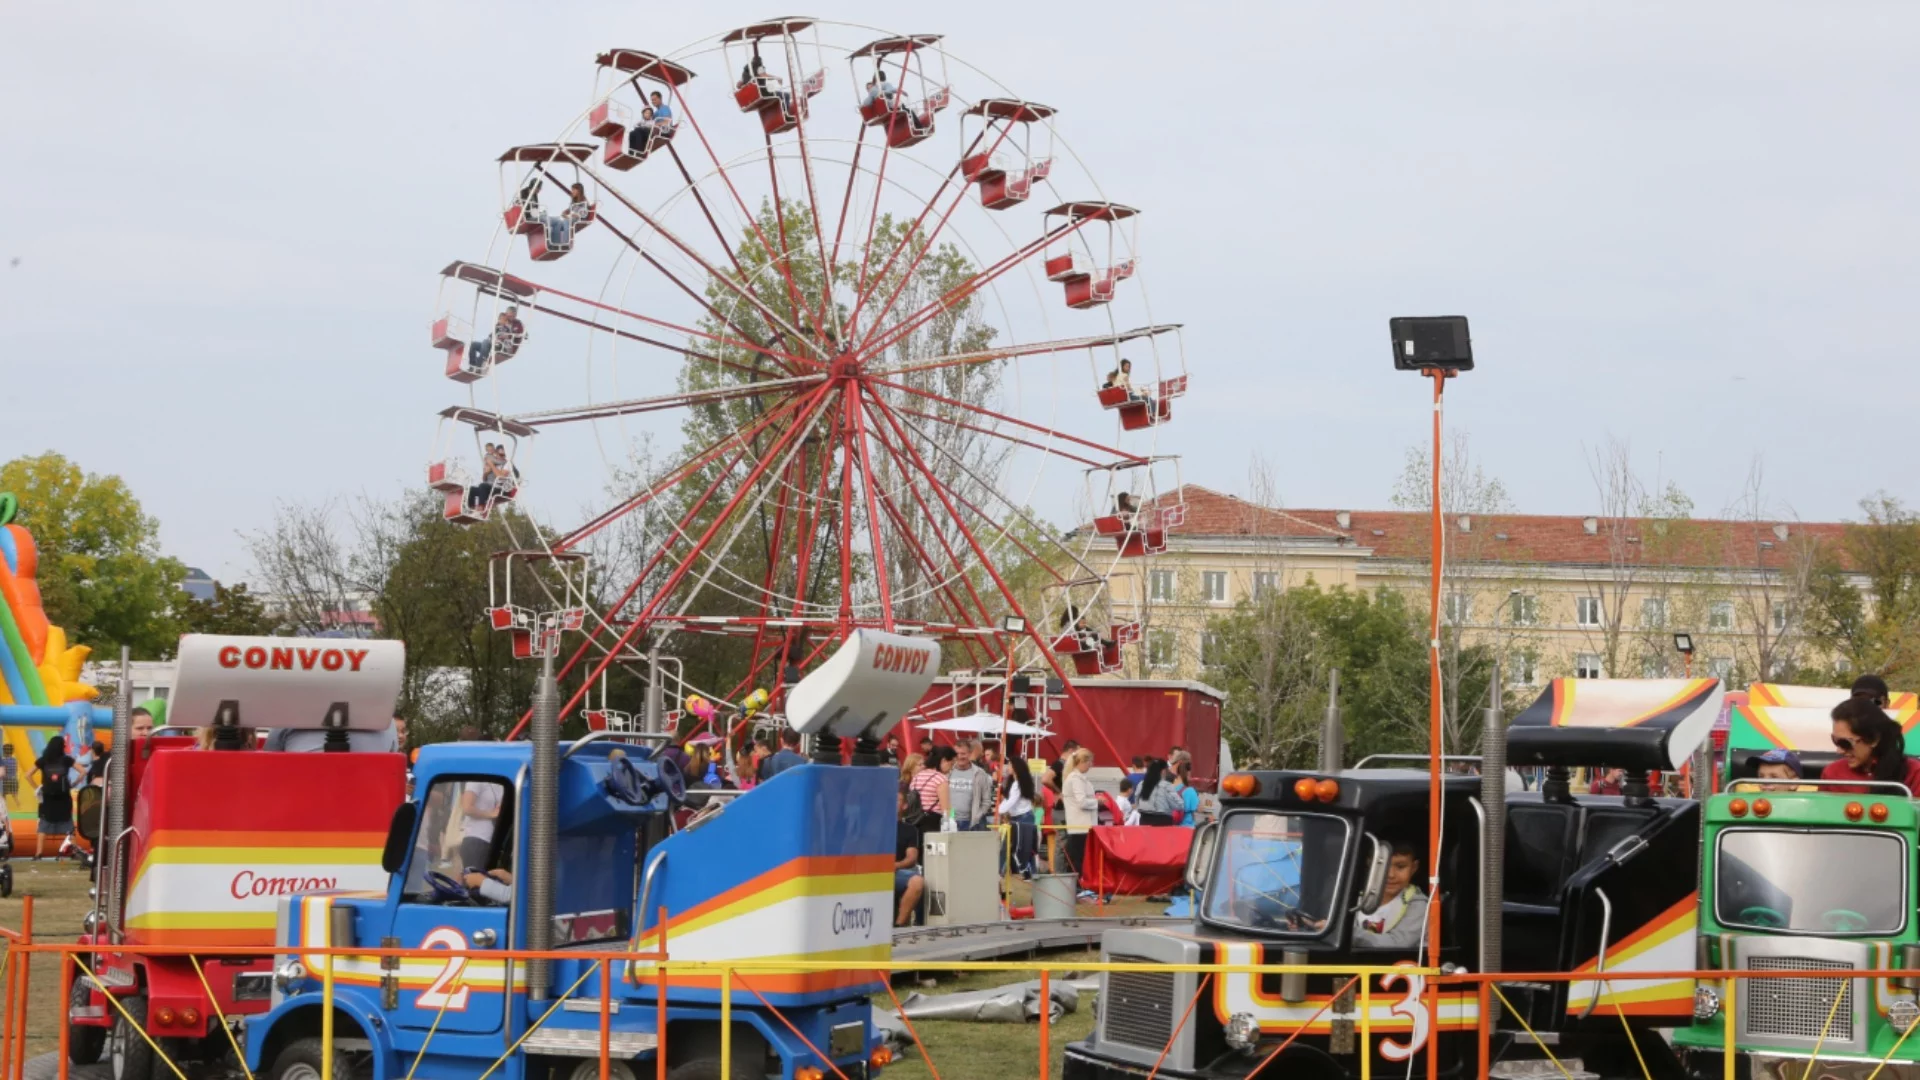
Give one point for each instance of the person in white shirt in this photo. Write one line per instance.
(1016, 811)
(1128, 815)
(1402, 914)
(479, 812)
(1082, 805)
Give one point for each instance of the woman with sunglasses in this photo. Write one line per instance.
(1872, 747)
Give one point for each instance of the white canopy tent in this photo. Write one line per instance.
(983, 724)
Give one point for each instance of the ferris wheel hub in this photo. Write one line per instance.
(845, 366)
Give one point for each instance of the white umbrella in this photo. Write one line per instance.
(982, 724)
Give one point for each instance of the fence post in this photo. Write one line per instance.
(7, 1033)
(1046, 1022)
(26, 984)
(1366, 1029)
(726, 1021)
(606, 1016)
(1485, 1011)
(66, 1007)
(326, 1009)
(660, 1001)
(1727, 1053)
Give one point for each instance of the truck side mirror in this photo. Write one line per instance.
(1376, 876)
(393, 857)
(1200, 855)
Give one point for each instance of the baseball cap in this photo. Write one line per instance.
(1780, 756)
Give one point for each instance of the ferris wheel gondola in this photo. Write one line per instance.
(854, 332)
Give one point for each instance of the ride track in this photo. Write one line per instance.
(862, 391)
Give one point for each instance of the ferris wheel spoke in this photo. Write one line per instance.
(1003, 436)
(829, 337)
(869, 286)
(846, 203)
(737, 440)
(1006, 591)
(682, 399)
(1011, 352)
(829, 309)
(878, 342)
(1011, 506)
(857, 435)
(612, 309)
(960, 196)
(812, 405)
(780, 259)
(739, 288)
(1121, 456)
(927, 513)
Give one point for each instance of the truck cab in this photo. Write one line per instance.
(797, 869)
(1804, 875)
(1293, 874)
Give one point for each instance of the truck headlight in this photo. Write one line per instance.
(288, 975)
(1706, 1003)
(1242, 1031)
(1902, 1013)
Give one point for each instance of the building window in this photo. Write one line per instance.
(1586, 610)
(1214, 583)
(1523, 609)
(1458, 608)
(1210, 649)
(1653, 612)
(1265, 583)
(1720, 615)
(1160, 585)
(1779, 616)
(1586, 665)
(1720, 667)
(1653, 667)
(1780, 670)
(1160, 648)
(1522, 668)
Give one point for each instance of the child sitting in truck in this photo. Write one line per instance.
(1780, 764)
(1402, 914)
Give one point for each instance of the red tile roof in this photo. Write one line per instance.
(1509, 538)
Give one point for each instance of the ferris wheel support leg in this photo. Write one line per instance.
(1013, 602)
(812, 405)
(702, 458)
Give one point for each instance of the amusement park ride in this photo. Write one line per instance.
(849, 311)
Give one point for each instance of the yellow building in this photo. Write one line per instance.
(1584, 596)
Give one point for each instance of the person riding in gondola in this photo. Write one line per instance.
(560, 227)
(756, 72)
(1122, 376)
(880, 88)
(509, 333)
(656, 125)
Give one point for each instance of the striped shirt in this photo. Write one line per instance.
(926, 784)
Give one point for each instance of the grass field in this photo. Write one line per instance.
(963, 1051)
(60, 901)
(960, 1051)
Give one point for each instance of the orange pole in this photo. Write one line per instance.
(1046, 1022)
(1435, 718)
(1486, 1028)
(660, 1003)
(606, 1017)
(7, 1033)
(66, 1005)
(26, 984)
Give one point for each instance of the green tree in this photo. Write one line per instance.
(230, 610)
(1875, 628)
(102, 577)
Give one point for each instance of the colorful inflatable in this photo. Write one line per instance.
(41, 694)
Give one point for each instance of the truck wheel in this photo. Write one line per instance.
(301, 1061)
(709, 1069)
(85, 1042)
(130, 1055)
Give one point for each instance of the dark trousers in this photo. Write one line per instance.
(473, 853)
(1077, 852)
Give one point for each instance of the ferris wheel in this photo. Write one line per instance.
(814, 327)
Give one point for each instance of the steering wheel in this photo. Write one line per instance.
(624, 781)
(447, 888)
(1844, 921)
(1762, 916)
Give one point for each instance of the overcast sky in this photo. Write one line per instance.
(1689, 225)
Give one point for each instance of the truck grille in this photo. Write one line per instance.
(1137, 1007)
(1798, 1008)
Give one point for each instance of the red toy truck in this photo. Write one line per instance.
(212, 839)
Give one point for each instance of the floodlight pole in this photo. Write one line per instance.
(1435, 715)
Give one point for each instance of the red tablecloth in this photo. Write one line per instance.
(1135, 860)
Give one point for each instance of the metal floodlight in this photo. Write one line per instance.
(1684, 643)
(1013, 624)
(1422, 343)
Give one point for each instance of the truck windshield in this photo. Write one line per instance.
(1277, 872)
(1811, 881)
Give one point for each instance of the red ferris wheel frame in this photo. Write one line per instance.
(823, 377)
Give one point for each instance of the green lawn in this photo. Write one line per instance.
(60, 901)
(963, 1051)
